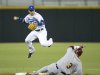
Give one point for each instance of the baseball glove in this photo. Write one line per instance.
(32, 26)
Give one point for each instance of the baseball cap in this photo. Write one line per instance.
(31, 8)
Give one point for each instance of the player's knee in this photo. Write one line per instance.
(27, 41)
(43, 44)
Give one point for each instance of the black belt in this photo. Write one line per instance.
(61, 71)
(39, 30)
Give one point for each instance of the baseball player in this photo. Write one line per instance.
(69, 64)
(37, 26)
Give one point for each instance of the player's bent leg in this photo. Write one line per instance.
(43, 39)
(50, 41)
(46, 43)
(42, 70)
(31, 48)
(31, 37)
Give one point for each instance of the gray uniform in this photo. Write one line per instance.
(60, 67)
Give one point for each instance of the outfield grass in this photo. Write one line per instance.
(13, 57)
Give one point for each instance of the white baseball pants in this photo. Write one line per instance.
(41, 35)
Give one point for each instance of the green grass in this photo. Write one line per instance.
(13, 57)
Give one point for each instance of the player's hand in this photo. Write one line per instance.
(15, 18)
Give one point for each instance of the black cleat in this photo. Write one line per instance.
(29, 55)
(49, 46)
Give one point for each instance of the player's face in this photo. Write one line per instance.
(31, 12)
(79, 52)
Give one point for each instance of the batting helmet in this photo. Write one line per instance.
(31, 8)
(79, 50)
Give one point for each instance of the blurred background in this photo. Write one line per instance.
(50, 2)
(66, 20)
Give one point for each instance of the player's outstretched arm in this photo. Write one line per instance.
(18, 18)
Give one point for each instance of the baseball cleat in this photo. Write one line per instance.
(29, 55)
(51, 42)
(49, 46)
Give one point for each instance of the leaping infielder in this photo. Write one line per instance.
(38, 30)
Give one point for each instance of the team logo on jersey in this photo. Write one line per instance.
(32, 20)
(69, 65)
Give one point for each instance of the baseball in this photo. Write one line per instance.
(15, 18)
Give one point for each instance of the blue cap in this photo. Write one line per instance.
(31, 8)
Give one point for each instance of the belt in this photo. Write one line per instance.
(39, 30)
(61, 71)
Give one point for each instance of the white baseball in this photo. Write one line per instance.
(15, 18)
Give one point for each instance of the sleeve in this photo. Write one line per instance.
(26, 19)
(40, 20)
(69, 50)
(20, 19)
(69, 55)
